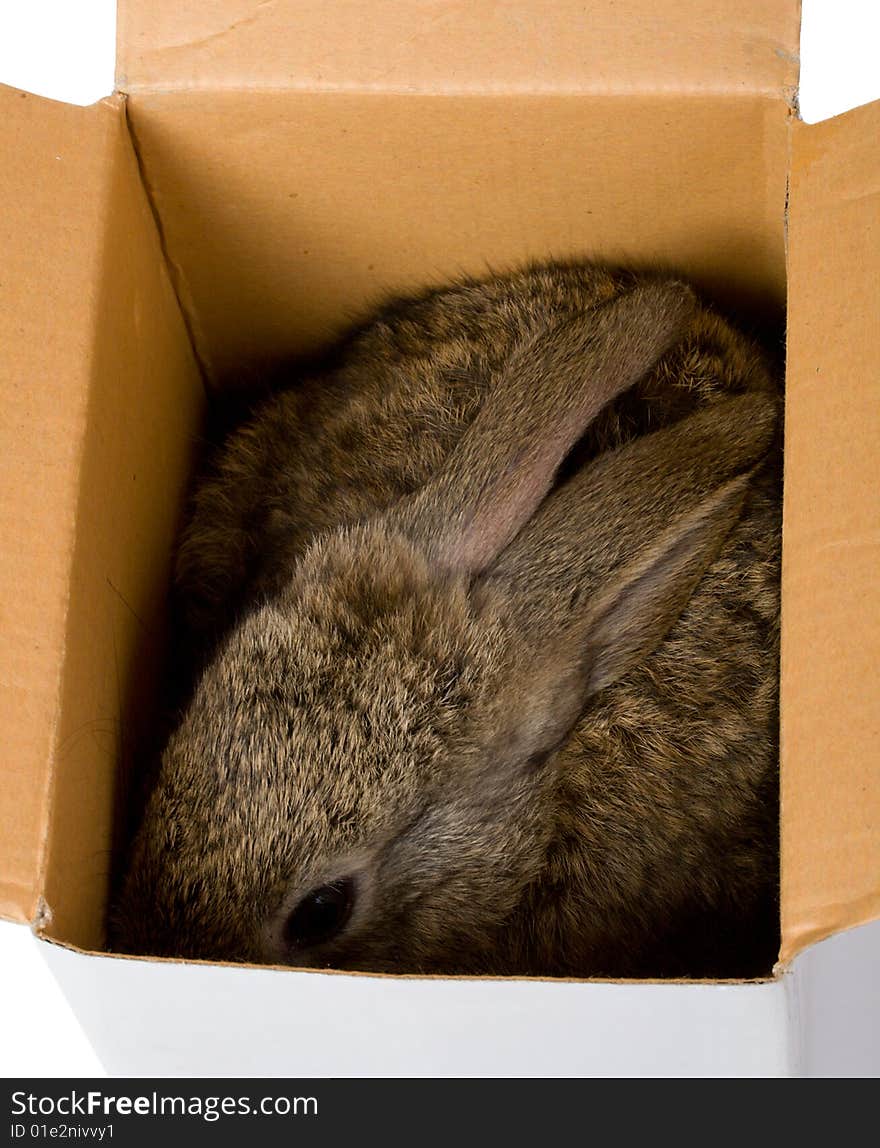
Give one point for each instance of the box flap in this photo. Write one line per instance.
(53, 182)
(145, 411)
(831, 587)
(456, 45)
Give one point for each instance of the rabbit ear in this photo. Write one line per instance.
(601, 518)
(632, 615)
(550, 390)
(608, 564)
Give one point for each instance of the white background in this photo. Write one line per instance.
(65, 49)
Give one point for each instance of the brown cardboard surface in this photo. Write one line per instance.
(145, 407)
(285, 213)
(458, 45)
(100, 398)
(53, 187)
(831, 572)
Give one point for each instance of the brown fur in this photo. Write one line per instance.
(539, 730)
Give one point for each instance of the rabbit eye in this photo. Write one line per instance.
(320, 915)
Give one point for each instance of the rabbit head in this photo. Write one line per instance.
(364, 776)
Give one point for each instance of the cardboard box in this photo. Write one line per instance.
(262, 172)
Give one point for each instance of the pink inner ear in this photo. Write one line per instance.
(508, 501)
(548, 393)
(646, 597)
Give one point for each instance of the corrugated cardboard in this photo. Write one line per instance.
(831, 575)
(101, 401)
(270, 171)
(54, 184)
(443, 46)
(284, 213)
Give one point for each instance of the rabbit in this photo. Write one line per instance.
(491, 612)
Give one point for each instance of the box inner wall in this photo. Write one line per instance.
(286, 213)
